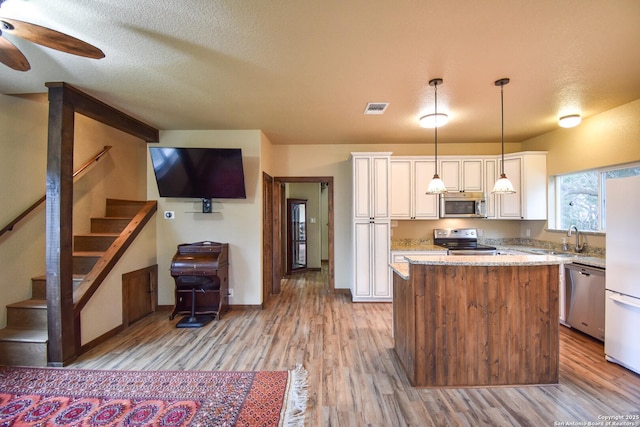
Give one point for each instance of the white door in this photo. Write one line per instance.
(362, 249)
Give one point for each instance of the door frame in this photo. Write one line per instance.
(289, 269)
(268, 260)
(279, 217)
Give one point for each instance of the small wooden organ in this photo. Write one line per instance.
(201, 272)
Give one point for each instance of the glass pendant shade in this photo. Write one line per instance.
(503, 186)
(436, 186)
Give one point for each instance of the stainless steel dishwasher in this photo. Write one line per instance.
(585, 297)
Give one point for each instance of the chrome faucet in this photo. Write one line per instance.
(579, 247)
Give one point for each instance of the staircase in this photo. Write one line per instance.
(24, 341)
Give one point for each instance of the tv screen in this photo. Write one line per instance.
(207, 173)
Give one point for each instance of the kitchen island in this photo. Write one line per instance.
(469, 321)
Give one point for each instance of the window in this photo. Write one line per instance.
(580, 197)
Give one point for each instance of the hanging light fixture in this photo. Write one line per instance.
(436, 186)
(503, 185)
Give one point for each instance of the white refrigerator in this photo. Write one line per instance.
(622, 306)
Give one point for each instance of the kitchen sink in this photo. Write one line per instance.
(554, 253)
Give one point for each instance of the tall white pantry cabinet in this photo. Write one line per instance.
(371, 227)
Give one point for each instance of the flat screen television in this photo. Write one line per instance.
(206, 173)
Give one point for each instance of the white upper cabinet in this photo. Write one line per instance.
(370, 185)
(490, 176)
(528, 173)
(462, 174)
(410, 177)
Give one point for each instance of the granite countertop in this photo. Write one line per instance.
(424, 245)
(401, 269)
(572, 257)
(483, 260)
(415, 245)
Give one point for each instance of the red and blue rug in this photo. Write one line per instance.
(74, 397)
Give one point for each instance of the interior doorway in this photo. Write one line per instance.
(279, 224)
(296, 235)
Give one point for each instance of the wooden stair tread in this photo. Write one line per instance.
(76, 277)
(29, 303)
(24, 335)
(88, 253)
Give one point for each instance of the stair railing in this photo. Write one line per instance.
(31, 208)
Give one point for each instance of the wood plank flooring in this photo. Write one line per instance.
(354, 377)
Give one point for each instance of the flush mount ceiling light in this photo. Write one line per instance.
(569, 121)
(434, 120)
(436, 186)
(503, 185)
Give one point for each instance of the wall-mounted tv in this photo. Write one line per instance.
(206, 173)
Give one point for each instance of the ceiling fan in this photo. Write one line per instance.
(11, 56)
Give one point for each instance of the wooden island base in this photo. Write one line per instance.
(475, 325)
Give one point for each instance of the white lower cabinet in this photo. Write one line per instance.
(371, 263)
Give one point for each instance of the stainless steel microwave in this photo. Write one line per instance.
(462, 204)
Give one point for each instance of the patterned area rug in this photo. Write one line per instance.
(74, 397)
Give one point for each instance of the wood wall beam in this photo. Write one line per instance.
(91, 107)
(59, 230)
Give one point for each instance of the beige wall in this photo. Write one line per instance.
(236, 222)
(23, 160)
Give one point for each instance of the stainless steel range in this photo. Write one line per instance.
(461, 241)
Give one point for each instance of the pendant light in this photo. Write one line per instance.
(503, 185)
(436, 186)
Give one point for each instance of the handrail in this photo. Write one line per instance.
(27, 211)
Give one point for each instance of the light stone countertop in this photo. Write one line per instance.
(485, 260)
(401, 269)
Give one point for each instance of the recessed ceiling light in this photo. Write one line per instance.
(376, 107)
(569, 121)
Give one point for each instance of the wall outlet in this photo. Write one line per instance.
(230, 292)
(169, 215)
(480, 232)
(527, 232)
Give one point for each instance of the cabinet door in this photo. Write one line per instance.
(489, 182)
(400, 189)
(362, 255)
(510, 205)
(450, 174)
(472, 175)
(380, 259)
(425, 205)
(362, 181)
(380, 189)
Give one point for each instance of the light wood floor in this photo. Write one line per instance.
(354, 378)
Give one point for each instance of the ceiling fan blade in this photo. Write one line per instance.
(50, 38)
(12, 57)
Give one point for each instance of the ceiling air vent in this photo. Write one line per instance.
(376, 107)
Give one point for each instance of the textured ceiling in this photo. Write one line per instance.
(303, 70)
